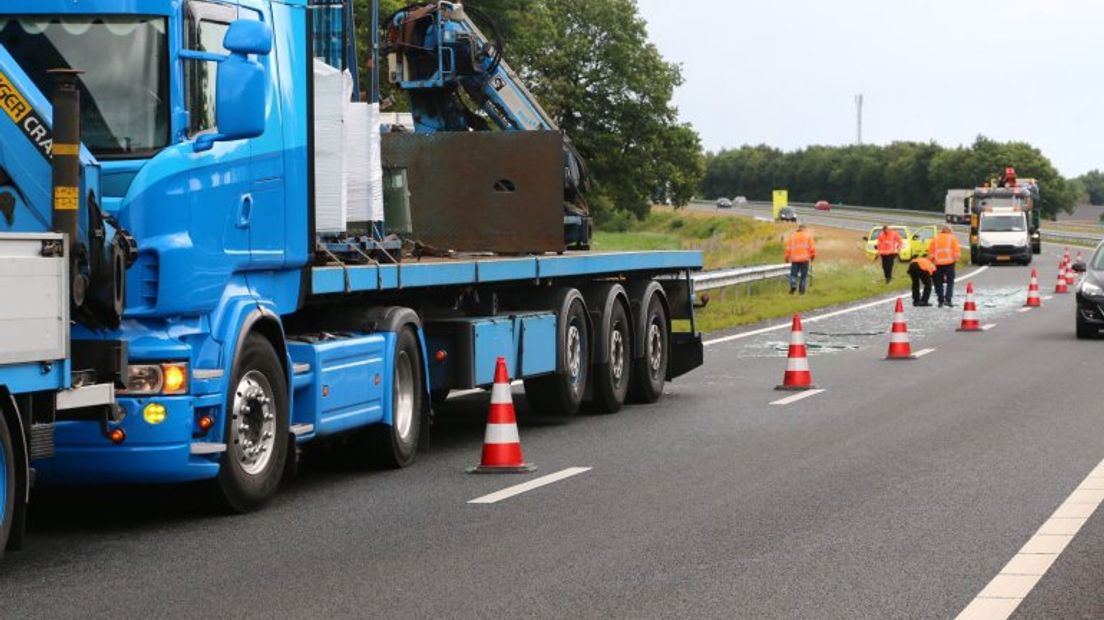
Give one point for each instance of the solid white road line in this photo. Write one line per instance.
(923, 352)
(1027, 309)
(518, 489)
(796, 397)
(1000, 598)
(1048, 297)
(988, 327)
(787, 324)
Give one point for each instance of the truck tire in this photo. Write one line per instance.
(561, 393)
(395, 445)
(649, 373)
(7, 484)
(611, 378)
(256, 428)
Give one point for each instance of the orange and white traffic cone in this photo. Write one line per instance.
(1062, 286)
(1033, 299)
(899, 347)
(1071, 275)
(501, 444)
(1066, 256)
(798, 376)
(970, 321)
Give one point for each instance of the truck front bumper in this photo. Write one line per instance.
(150, 453)
(1004, 254)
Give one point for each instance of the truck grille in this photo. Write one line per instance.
(1004, 249)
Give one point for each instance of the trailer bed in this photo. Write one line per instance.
(338, 279)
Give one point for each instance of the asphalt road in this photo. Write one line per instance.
(898, 492)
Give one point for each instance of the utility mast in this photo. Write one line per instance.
(859, 110)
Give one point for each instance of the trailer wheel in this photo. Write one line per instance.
(561, 393)
(256, 428)
(611, 379)
(7, 484)
(649, 373)
(395, 445)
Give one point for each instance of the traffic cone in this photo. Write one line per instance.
(1071, 275)
(798, 376)
(501, 444)
(970, 321)
(1033, 299)
(899, 347)
(1062, 286)
(1067, 255)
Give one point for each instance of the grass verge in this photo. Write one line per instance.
(842, 272)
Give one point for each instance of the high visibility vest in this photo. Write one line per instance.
(889, 242)
(925, 264)
(800, 248)
(943, 249)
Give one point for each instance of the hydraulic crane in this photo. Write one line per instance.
(441, 59)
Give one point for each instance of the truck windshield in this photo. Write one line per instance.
(125, 85)
(1003, 223)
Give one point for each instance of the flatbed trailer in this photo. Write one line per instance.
(238, 328)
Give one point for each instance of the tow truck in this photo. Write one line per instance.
(1004, 194)
(238, 282)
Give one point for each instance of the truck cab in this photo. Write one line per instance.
(1003, 236)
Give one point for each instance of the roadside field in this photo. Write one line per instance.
(842, 272)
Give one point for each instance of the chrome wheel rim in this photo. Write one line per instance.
(574, 352)
(402, 418)
(617, 356)
(655, 348)
(253, 422)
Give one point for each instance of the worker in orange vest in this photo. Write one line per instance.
(921, 271)
(889, 246)
(800, 251)
(944, 251)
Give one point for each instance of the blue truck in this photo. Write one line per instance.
(167, 158)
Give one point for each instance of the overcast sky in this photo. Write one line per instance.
(786, 72)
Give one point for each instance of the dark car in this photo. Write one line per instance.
(1090, 295)
(787, 214)
(724, 203)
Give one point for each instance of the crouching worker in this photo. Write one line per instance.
(921, 271)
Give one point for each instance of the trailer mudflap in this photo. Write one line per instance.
(687, 353)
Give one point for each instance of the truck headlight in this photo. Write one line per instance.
(985, 243)
(1022, 241)
(170, 378)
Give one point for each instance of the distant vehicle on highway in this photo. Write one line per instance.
(823, 205)
(740, 201)
(787, 214)
(957, 204)
(724, 203)
(1090, 295)
(915, 241)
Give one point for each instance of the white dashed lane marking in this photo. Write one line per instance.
(789, 400)
(537, 483)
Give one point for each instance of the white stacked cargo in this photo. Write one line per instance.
(330, 97)
(363, 172)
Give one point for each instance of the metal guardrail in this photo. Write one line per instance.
(711, 280)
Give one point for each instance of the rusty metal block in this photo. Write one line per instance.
(483, 191)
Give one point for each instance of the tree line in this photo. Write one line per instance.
(593, 69)
(902, 175)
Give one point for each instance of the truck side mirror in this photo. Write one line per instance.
(241, 88)
(1078, 266)
(916, 237)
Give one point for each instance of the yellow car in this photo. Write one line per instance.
(915, 241)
